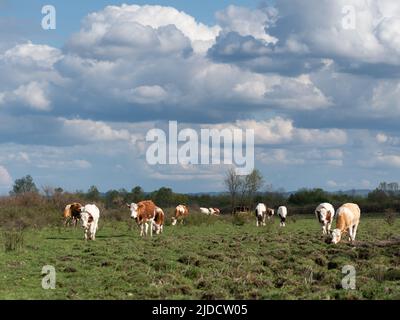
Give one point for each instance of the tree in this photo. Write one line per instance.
(307, 196)
(253, 182)
(163, 197)
(93, 194)
(233, 183)
(24, 185)
(48, 191)
(58, 190)
(136, 195)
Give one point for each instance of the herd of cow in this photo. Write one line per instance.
(151, 218)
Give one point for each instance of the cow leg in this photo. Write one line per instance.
(94, 227)
(355, 231)
(323, 230)
(351, 233)
(141, 230)
(174, 221)
(146, 229)
(151, 228)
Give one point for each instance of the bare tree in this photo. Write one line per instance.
(254, 182)
(247, 186)
(48, 191)
(233, 182)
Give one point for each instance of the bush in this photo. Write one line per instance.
(198, 219)
(241, 218)
(390, 216)
(13, 240)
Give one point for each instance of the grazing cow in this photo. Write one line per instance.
(282, 213)
(205, 211)
(159, 218)
(72, 212)
(270, 213)
(325, 214)
(90, 215)
(261, 213)
(144, 214)
(181, 212)
(347, 220)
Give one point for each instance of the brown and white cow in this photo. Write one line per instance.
(90, 215)
(347, 220)
(72, 212)
(144, 214)
(263, 213)
(217, 212)
(159, 218)
(181, 212)
(325, 214)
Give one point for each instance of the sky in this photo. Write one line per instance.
(317, 81)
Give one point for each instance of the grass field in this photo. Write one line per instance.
(208, 258)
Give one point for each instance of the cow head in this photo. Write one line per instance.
(133, 207)
(270, 212)
(323, 215)
(86, 219)
(336, 236)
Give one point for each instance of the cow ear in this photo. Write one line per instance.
(128, 205)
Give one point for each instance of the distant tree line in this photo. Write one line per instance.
(244, 191)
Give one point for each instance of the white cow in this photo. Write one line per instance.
(205, 211)
(261, 213)
(348, 218)
(325, 214)
(282, 213)
(90, 215)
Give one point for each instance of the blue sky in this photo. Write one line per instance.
(321, 91)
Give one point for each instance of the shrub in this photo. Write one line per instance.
(13, 240)
(390, 216)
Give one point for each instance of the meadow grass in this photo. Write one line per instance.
(207, 258)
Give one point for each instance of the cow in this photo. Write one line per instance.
(90, 215)
(158, 224)
(144, 214)
(282, 213)
(347, 220)
(72, 212)
(270, 213)
(325, 214)
(217, 212)
(205, 211)
(261, 213)
(181, 212)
